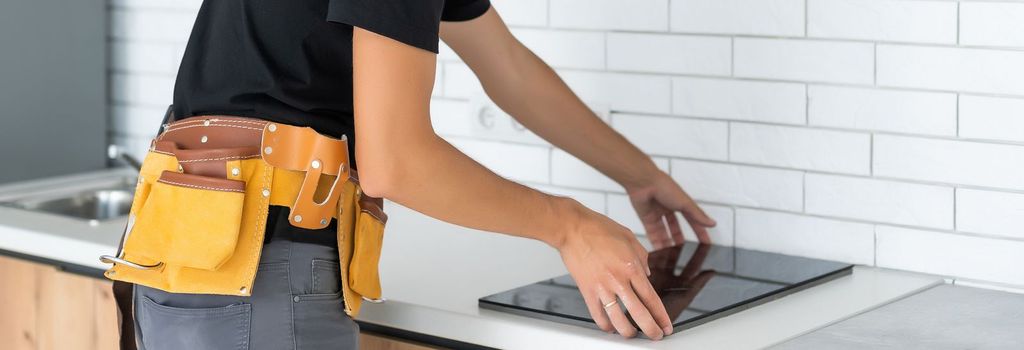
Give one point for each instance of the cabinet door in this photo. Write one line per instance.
(42, 308)
(369, 341)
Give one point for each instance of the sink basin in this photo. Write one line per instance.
(93, 202)
(90, 205)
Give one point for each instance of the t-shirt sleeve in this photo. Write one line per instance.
(413, 22)
(464, 10)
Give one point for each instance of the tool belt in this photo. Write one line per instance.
(197, 220)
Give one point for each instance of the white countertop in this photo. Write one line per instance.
(434, 272)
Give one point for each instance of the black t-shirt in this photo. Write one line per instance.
(291, 62)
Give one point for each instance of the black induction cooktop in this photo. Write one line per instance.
(697, 284)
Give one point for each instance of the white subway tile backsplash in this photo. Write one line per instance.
(446, 53)
(804, 60)
(949, 68)
(748, 100)
(989, 259)
(880, 200)
(803, 148)
(514, 161)
(565, 49)
(763, 17)
(995, 118)
(137, 121)
(567, 170)
(807, 236)
(666, 53)
(932, 113)
(992, 23)
(645, 15)
(740, 185)
(958, 162)
(678, 137)
(460, 82)
(621, 92)
(883, 20)
(151, 25)
(621, 210)
(522, 12)
(144, 57)
(490, 122)
(451, 117)
(141, 89)
(192, 5)
(990, 212)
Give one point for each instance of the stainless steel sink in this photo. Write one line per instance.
(91, 205)
(100, 201)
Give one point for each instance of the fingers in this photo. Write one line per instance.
(695, 214)
(615, 314)
(652, 301)
(596, 311)
(640, 313)
(650, 214)
(673, 226)
(642, 257)
(700, 230)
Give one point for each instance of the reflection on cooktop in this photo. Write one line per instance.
(696, 282)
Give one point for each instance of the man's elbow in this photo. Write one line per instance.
(378, 177)
(376, 183)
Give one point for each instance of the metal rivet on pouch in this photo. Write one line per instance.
(323, 221)
(243, 290)
(206, 122)
(110, 273)
(180, 169)
(315, 164)
(235, 171)
(204, 139)
(266, 192)
(272, 127)
(298, 218)
(268, 150)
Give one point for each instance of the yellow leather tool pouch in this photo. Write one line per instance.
(189, 221)
(364, 276)
(199, 215)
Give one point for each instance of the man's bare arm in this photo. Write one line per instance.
(400, 158)
(528, 89)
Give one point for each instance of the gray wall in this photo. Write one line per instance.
(53, 87)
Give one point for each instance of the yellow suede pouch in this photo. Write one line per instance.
(196, 240)
(189, 221)
(364, 275)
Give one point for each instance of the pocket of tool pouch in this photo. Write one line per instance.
(189, 220)
(364, 277)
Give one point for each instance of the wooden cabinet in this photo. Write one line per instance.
(368, 341)
(43, 308)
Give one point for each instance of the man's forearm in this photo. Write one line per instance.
(530, 91)
(431, 176)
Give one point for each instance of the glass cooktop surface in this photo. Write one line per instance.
(697, 284)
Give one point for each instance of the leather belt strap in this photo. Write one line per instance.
(203, 143)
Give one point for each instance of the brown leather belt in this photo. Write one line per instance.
(204, 144)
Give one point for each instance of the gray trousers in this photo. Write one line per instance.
(296, 304)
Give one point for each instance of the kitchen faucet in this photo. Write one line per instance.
(115, 152)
